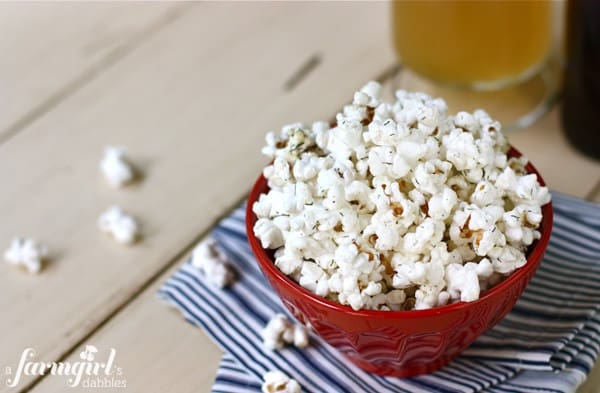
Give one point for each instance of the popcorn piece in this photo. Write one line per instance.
(521, 222)
(310, 274)
(301, 339)
(26, 253)
(429, 177)
(486, 194)
(522, 189)
(273, 332)
(441, 205)
(287, 261)
(123, 228)
(398, 205)
(208, 258)
(461, 149)
(373, 91)
(116, 167)
(278, 382)
(357, 300)
(268, 233)
(463, 282)
(279, 331)
(466, 121)
(262, 207)
(506, 260)
(428, 234)
(427, 297)
(485, 241)
(395, 298)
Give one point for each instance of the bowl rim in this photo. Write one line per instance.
(534, 257)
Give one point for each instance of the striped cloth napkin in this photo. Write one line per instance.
(547, 343)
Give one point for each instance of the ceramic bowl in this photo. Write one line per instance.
(399, 343)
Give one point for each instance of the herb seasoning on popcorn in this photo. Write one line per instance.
(400, 206)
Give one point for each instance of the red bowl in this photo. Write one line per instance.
(399, 343)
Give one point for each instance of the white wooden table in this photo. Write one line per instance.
(190, 89)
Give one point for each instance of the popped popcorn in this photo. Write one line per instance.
(277, 382)
(115, 167)
(26, 253)
(123, 228)
(280, 330)
(208, 258)
(397, 206)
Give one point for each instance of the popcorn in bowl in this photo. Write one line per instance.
(398, 206)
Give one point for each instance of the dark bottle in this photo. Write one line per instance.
(581, 101)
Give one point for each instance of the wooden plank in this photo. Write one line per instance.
(192, 104)
(594, 194)
(157, 350)
(592, 384)
(49, 49)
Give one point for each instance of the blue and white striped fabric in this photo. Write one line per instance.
(548, 343)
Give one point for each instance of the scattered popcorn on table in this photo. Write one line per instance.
(399, 206)
(115, 167)
(123, 228)
(278, 382)
(207, 257)
(280, 330)
(26, 253)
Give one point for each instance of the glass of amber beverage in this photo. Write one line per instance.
(486, 53)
